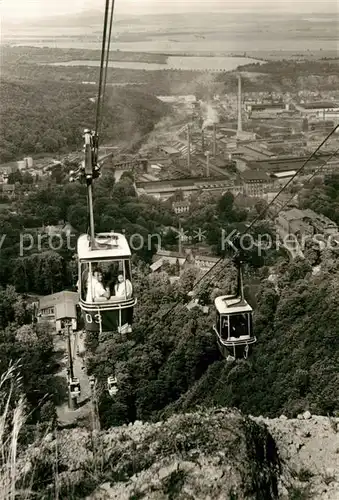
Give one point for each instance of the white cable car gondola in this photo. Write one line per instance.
(234, 322)
(74, 387)
(112, 386)
(104, 260)
(105, 283)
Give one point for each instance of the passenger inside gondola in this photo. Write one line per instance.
(239, 325)
(96, 292)
(123, 288)
(224, 328)
(101, 281)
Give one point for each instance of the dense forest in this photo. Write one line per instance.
(15, 54)
(322, 197)
(50, 116)
(281, 76)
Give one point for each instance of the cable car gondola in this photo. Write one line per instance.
(233, 325)
(104, 260)
(105, 282)
(74, 387)
(112, 386)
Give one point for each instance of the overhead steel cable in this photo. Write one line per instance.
(308, 180)
(103, 46)
(101, 89)
(107, 61)
(257, 218)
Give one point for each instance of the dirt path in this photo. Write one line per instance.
(65, 414)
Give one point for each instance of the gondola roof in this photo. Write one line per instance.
(112, 246)
(228, 304)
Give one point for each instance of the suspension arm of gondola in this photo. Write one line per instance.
(89, 166)
(69, 348)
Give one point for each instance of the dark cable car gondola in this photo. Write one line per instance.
(234, 321)
(104, 260)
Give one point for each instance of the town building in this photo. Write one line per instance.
(55, 308)
(293, 222)
(8, 190)
(282, 178)
(305, 223)
(180, 207)
(58, 229)
(184, 260)
(255, 182)
(284, 201)
(9, 168)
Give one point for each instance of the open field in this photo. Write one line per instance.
(258, 35)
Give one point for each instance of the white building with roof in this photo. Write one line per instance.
(58, 307)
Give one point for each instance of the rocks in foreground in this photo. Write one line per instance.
(212, 454)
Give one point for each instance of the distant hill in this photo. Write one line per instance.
(50, 116)
(86, 18)
(200, 20)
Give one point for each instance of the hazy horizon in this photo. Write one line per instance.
(21, 10)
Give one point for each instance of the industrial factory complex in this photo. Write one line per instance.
(248, 143)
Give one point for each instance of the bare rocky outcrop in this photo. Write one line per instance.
(309, 452)
(212, 454)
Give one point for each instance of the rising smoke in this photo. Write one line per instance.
(210, 115)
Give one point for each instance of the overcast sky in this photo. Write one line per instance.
(19, 9)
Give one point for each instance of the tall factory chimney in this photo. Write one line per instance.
(239, 105)
(214, 140)
(207, 154)
(202, 140)
(189, 147)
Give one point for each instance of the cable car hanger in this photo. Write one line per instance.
(90, 168)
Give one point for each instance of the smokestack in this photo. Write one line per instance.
(207, 163)
(239, 105)
(202, 140)
(214, 140)
(188, 147)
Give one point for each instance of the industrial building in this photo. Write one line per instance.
(289, 163)
(164, 189)
(324, 110)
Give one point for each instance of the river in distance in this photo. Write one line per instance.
(189, 63)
